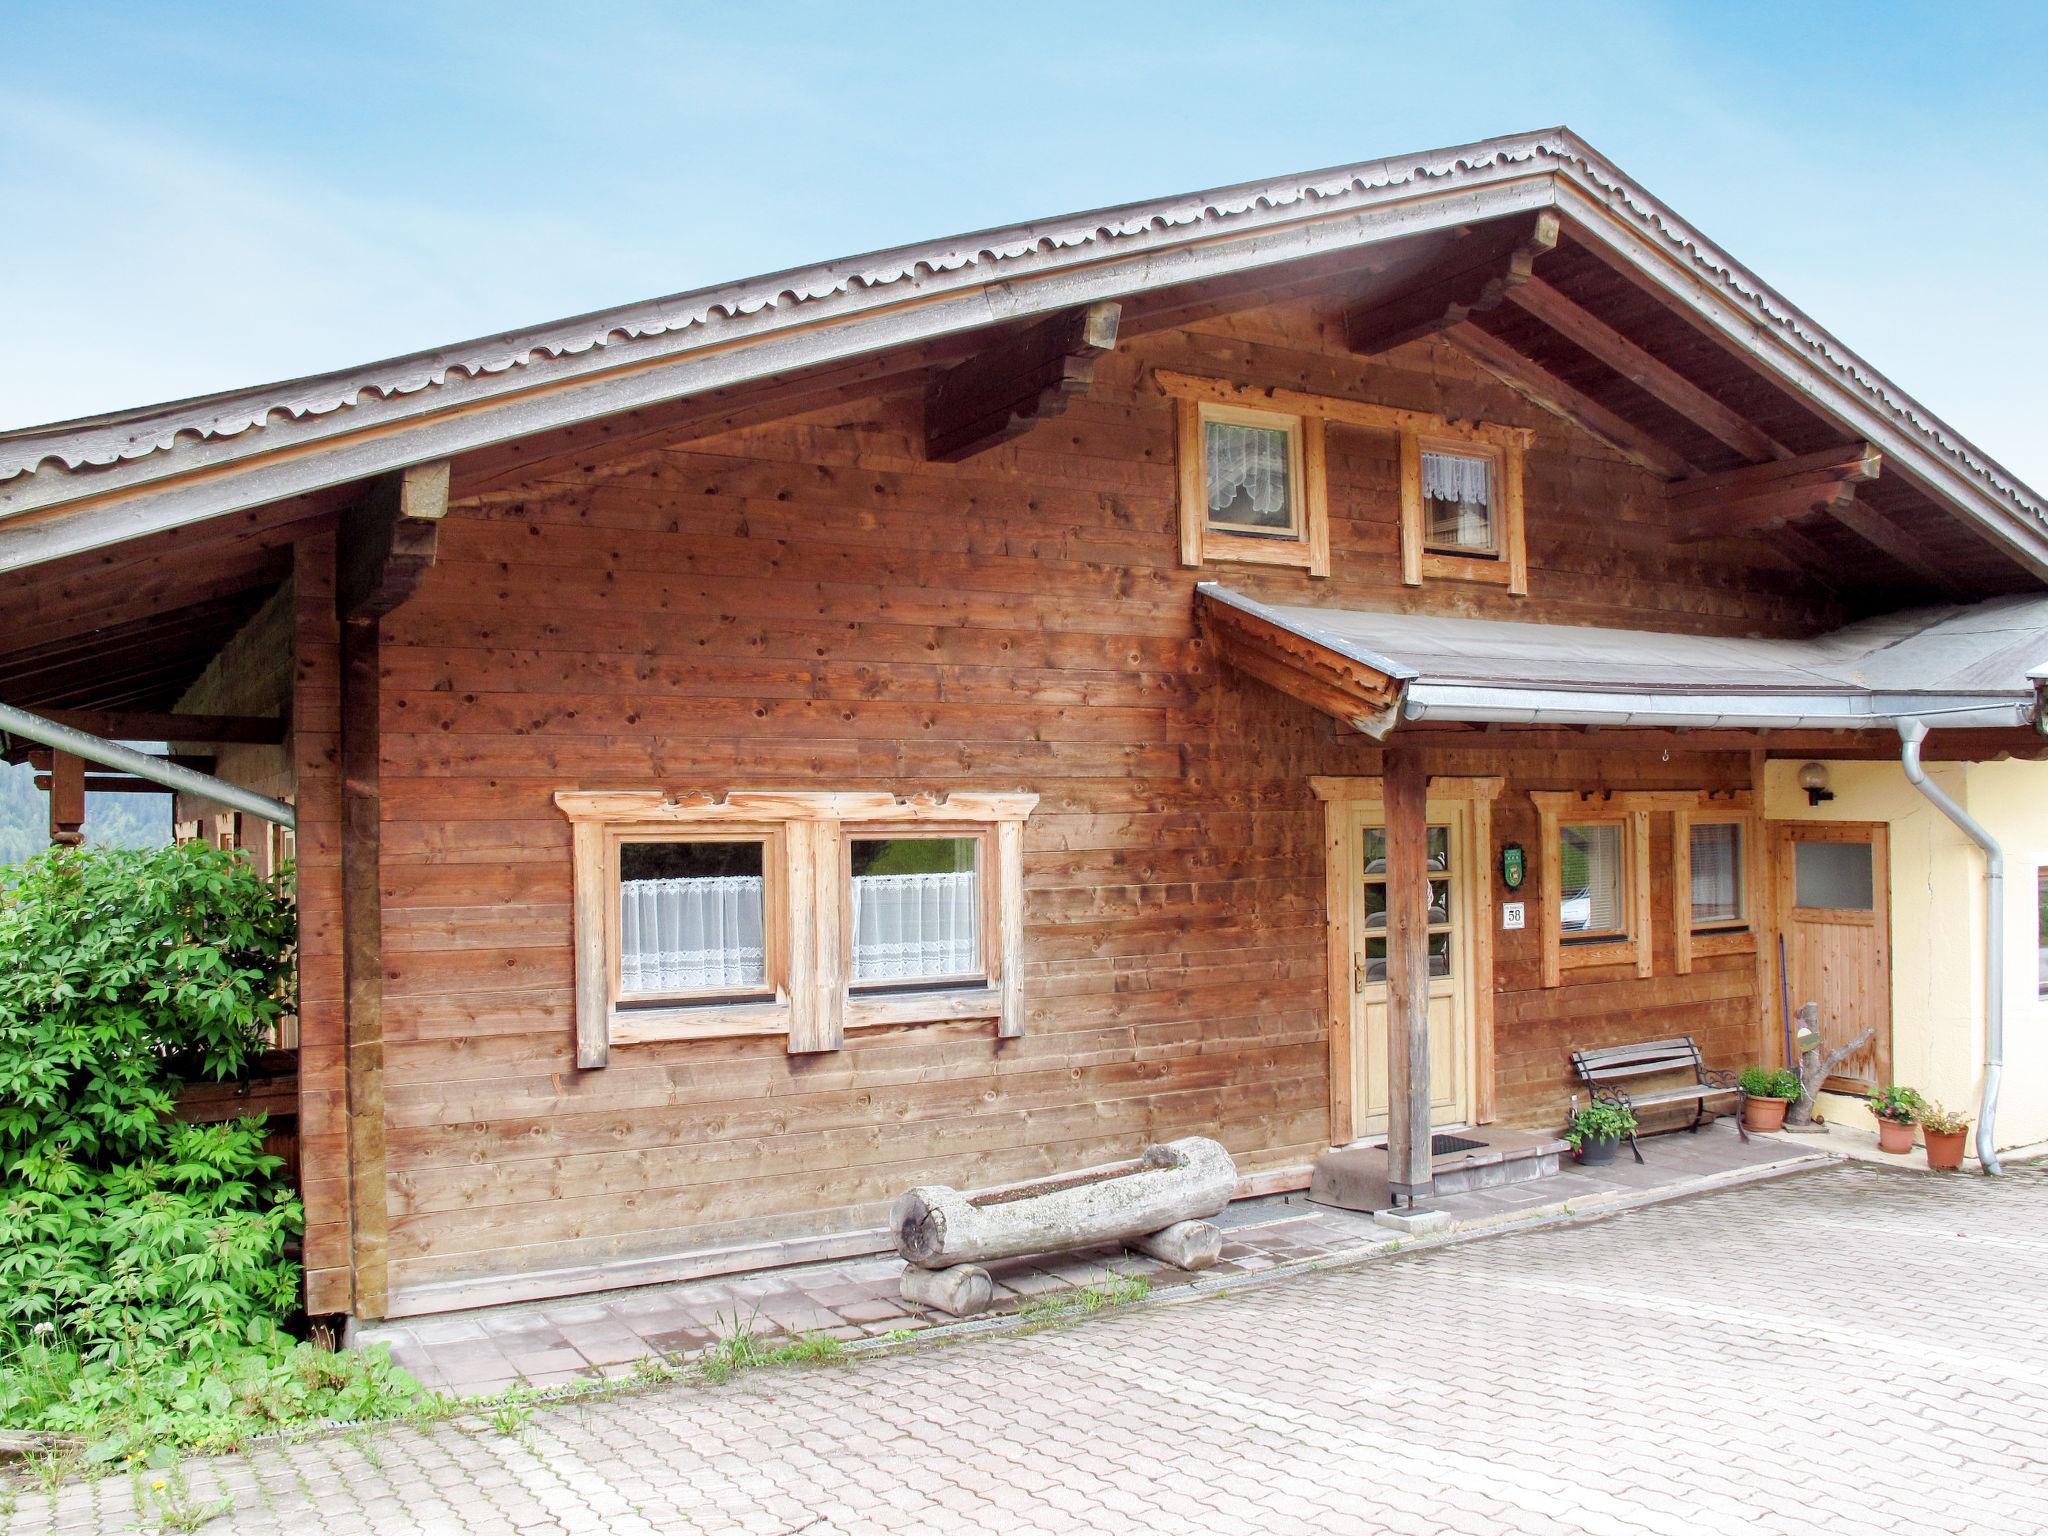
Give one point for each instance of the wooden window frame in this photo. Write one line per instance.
(1414, 429)
(1738, 936)
(1557, 809)
(774, 921)
(808, 963)
(869, 1004)
(1308, 544)
(2040, 904)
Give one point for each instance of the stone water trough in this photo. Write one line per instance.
(1154, 1204)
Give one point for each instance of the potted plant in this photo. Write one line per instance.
(1595, 1131)
(1896, 1108)
(1945, 1134)
(1767, 1092)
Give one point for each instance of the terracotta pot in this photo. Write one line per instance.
(1945, 1149)
(1764, 1114)
(1894, 1136)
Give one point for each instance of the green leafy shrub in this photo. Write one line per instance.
(1599, 1121)
(1770, 1082)
(122, 974)
(1899, 1104)
(210, 1399)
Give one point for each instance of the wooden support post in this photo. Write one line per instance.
(387, 544)
(1407, 791)
(67, 800)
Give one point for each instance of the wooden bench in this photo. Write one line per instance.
(1604, 1072)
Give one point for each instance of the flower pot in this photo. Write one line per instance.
(1945, 1149)
(1598, 1149)
(1764, 1114)
(1894, 1136)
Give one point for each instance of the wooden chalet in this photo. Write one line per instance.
(1288, 663)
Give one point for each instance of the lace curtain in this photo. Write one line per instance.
(1248, 475)
(705, 934)
(1458, 491)
(692, 935)
(916, 927)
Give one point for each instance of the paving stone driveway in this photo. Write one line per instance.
(1856, 1349)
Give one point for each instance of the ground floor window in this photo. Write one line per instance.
(797, 914)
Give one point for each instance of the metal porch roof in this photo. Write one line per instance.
(1983, 665)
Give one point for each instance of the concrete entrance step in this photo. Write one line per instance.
(1355, 1178)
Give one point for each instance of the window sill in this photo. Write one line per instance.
(875, 1010)
(716, 1021)
(1249, 549)
(1595, 952)
(1723, 941)
(1491, 570)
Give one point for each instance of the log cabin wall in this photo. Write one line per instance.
(811, 605)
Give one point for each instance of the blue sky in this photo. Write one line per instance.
(203, 196)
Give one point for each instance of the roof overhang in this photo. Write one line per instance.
(82, 485)
(1373, 671)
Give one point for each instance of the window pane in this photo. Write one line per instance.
(1589, 879)
(1439, 954)
(2042, 880)
(1832, 875)
(1375, 959)
(1437, 851)
(1717, 873)
(690, 918)
(916, 909)
(1457, 497)
(1250, 477)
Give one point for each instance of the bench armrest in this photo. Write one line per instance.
(1725, 1081)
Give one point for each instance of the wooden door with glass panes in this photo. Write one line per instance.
(1450, 970)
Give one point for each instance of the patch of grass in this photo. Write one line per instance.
(509, 1418)
(1051, 1308)
(740, 1348)
(164, 1499)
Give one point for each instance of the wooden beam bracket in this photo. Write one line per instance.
(1476, 274)
(388, 538)
(1003, 392)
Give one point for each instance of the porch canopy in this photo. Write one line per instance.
(1983, 666)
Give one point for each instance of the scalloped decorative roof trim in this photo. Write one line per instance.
(723, 312)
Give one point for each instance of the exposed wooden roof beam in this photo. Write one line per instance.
(1531, 379)
(1873, 527)
(1354, 694)
(164, 725)
(1485, 263)
(1771, 511)
(1650, 374)
(1757, 496)
(1003, 392)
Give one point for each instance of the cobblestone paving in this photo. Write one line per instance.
(1856, 1350)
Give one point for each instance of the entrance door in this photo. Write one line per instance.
(1834, 904)
(1450, 965)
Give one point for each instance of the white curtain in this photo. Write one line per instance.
(691, 935)
(916, 927)
(1459, 491)
(1252, 463)
(1716, 873)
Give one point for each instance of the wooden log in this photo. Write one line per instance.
(1408, 1071)
(961, 1290)
(1184, 1245)
(1179, 1181)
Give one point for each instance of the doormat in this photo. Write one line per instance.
(1443, 1145)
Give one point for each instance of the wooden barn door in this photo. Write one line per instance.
(1833, 909)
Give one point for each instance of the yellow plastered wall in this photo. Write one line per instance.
(1938, 927)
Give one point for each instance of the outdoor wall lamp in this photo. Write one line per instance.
(1813, 778)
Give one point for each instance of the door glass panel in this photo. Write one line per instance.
(1836, 875)
(1439, 901)
(1375, 904)
(1375, 850)
(1439, 847)
(1375, 959)
(1439, 954)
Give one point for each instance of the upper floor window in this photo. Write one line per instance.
(1458, 502)
(1254, 482)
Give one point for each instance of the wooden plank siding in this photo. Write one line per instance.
(811, 605)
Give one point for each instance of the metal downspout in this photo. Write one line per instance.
(19, 722)
(1911, 734)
